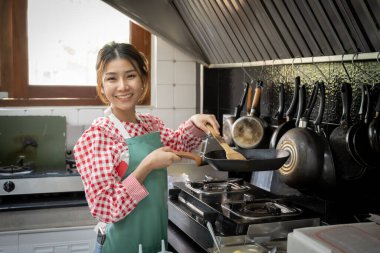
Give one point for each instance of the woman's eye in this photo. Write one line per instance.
(111, 79)
(131, 76)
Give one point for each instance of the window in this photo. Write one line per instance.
(21, 72)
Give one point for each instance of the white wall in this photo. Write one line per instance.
(173, 94)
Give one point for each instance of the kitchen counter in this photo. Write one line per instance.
(59, 218)
(46, 218)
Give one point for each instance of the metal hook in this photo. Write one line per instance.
(303, 73)
(362, 70)
(245, 72)
(312, 61)
(262, 68)
(345, 70)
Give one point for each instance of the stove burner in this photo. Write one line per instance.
(15, 170)
(217, 186)
(259, 209)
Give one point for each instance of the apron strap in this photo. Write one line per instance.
(119, 126)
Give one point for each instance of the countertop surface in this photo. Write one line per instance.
(26, 221)
(46, 218)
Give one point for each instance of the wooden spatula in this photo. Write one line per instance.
(230, 153)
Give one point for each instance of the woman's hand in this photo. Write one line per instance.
(200, 120)
(157, 159)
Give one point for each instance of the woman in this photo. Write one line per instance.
(122, 157)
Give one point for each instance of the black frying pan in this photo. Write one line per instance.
(352, 129)
(305, 165)
(257, 160)
(346, 167)
(290, 122)
(326, 185)
(361, 139)
(374, 130)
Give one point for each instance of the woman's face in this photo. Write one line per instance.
(122, 85)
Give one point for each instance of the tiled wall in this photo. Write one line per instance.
(173, 94)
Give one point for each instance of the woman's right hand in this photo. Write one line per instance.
(157, 159)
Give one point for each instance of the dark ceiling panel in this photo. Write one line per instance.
(237, 31)
(339, 27)
(303, 27)
(367, 24)
(355, 31)
(282, 29)
(192, 24)
(326, 27)
(295, 32)
(266, 22)
(314, 27)
(221, 43)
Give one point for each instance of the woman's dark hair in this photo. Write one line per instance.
(126, 51)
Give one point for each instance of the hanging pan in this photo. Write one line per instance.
(360, 138)
(303, 168)
(228, 122)
(346, 167)
(374, 130)
(326, 185)
(290, 122)
(248, 131)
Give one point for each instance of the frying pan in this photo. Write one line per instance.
(227, 124)
(326, 185)
(346, 167)
(353, 129)
(248, 131)
(361, 138)
(304, 167)
(257, 159)
(374, 130)
(290, 122)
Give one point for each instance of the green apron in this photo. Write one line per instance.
(147, 223)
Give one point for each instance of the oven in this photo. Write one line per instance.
(239, 212)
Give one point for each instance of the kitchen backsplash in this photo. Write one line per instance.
(174, 87)
(224, 86)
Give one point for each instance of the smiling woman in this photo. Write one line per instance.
(46, 56)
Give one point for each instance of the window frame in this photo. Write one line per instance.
(14, 64)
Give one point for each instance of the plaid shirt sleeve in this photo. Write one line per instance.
(97, 154)
(186, 138)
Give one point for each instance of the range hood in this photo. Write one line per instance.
(239, 31)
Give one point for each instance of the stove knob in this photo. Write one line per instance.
(9, 186)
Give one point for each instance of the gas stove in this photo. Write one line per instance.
(237, 210)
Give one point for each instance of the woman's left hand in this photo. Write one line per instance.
(200, 120)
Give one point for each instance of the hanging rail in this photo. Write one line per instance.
(317, 59)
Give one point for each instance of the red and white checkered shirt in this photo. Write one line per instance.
(98, 156)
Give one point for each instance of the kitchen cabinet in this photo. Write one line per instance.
(8, 243)
(55, 240)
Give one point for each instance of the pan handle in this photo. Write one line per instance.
(311, 103)
(280, 113)
(369, 108)
(239, 107)
(189, 155)
(321, 110)
(293, 105)
(256, 101)
(346, 93)
(362, 102)
(301, 103)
